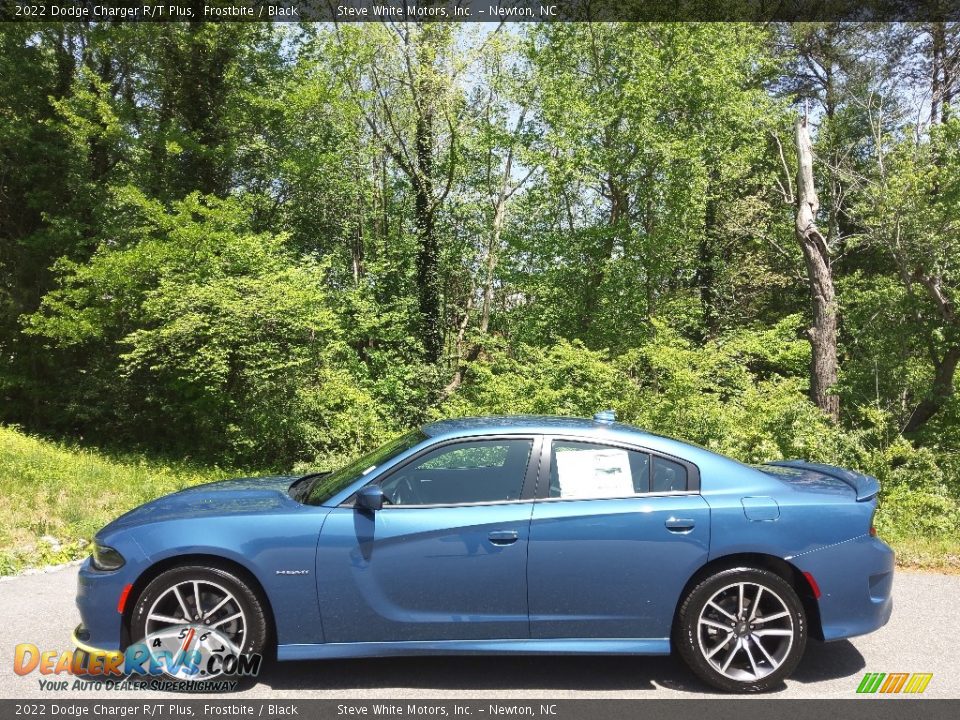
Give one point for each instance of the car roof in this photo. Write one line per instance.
(556, 425)
(514, 424)
(598, 430)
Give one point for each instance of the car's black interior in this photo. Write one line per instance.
(668, 476)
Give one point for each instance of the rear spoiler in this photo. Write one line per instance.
(865, 486)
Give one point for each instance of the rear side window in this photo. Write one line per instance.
(580, 470)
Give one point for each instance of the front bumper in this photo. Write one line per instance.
(856, 582)
(81, 640)
(97, 595)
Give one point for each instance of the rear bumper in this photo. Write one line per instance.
(856, 585)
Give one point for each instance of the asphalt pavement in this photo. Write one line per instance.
(920, 637)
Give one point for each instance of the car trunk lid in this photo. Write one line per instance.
(866, 487)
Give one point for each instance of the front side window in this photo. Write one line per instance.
(324, 487)
(468, 472)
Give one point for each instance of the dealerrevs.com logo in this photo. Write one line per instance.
(183, 657)
(888, 683)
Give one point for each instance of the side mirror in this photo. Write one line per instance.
(370, 498)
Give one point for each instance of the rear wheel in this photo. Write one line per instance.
(742, 630)
(204, 610)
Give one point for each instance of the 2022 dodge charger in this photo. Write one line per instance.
(508, 535)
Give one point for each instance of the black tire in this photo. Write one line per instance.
(748, 671)
(256, 631)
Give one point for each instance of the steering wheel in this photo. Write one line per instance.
(403, 493)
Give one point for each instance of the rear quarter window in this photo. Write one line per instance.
(668, 476)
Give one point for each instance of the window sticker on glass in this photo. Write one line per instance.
(594, 473)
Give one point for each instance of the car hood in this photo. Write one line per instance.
(240, 496)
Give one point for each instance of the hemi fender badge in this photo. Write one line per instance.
(293, 572)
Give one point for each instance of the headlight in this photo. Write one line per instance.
(106, 558)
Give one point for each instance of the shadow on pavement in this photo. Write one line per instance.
(828, 661)
(580, 673)
(584, 673)
(821, 662)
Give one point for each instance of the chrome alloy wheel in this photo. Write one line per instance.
(745, 631)
(201, 604)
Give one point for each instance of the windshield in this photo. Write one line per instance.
(325, 487)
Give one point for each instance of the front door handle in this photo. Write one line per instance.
(680, 525)
(503, 537)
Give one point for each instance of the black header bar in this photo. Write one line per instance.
(150, 705)
(477, 10)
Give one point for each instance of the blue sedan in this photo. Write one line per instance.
(507, 535)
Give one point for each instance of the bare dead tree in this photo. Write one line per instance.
(816, 255)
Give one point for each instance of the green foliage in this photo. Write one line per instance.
(217, 334)
(712, 394)
(910, 213)
(740, 395)
(278, 245)
(563, 379)
(653, 143)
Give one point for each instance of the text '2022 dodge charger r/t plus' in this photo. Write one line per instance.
(506, 535)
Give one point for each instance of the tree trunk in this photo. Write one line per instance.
(823, 332)
(706, 277)
(493, 251)
(490, 265)
(938, 83)
(428, 254)
(941, 391)
(619, 215)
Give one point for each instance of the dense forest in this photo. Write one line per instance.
(272, 247)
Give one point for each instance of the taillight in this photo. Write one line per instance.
(873, 530)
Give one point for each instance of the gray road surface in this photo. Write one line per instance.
(921, 637)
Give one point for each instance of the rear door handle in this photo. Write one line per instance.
(680, 525)
(503, 537)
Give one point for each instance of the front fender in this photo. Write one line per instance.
(278, 551)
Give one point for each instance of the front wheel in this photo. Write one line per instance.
(196, 616)
(742, 630)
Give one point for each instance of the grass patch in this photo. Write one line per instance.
(54, 497)
(922, 524)
(935, 555)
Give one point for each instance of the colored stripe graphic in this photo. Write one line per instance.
(893, 683)
(918, 682)
(870, 682)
